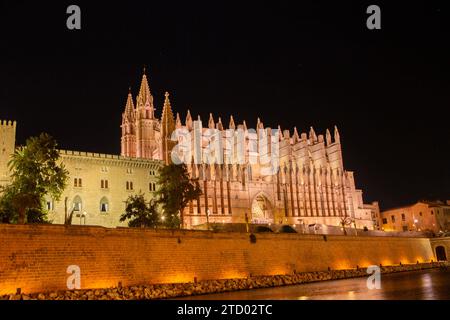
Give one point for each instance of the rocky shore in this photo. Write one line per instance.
(167, 291)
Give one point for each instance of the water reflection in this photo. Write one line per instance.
(423, 285)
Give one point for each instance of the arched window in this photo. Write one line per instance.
(104, 205)
(154, 187)
(77, 204)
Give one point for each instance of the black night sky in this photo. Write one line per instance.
(311, 63)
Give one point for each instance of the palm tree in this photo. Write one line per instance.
(22, 202)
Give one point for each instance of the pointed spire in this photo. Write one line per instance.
(129, 108)
(337, 137)
(144, 95)
(188, 120)
(219, 124)
(295, 135)
(178, 121)
(328, 137)
(312, 135)
(167, 115)
(167, 127)
(211, 123)
(280, 133)
(231, 125)
(244, 125)
(259, 124)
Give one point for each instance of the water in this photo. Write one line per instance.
(416, 285)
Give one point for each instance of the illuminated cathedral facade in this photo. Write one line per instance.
(311, 185)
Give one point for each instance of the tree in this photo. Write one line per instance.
(175, 191)
(140, 213)
(35, 173)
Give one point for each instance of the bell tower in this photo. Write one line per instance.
(147, 126)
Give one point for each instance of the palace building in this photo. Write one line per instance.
(309, 186)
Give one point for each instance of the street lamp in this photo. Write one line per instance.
(207, 219)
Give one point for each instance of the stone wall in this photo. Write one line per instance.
(35, 257)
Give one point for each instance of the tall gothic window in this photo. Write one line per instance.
(77, 204)
(104, 205)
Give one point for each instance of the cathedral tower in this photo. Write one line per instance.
(146, 123)
(128, 141)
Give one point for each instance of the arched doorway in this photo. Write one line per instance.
(440, 253)
(261, 210)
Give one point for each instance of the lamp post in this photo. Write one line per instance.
(207, 219)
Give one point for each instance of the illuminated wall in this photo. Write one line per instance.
(36, 257)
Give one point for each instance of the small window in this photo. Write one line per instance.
(403, 217)
(432, 212)
(49, 205)
(128, 185)
(150, 186)
(393, 219)
(79, 182)
(75, 182)
(405, 228)
(131, 185)
(104, 184)
(384, 221)
(420, 213)
(154, 187)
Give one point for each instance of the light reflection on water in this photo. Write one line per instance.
(423, 285)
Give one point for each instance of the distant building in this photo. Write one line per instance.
(421, 216)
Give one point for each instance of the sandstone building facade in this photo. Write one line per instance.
(420, 216)
(310, 187)
(98, 185)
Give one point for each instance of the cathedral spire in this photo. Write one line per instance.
(188, 120)
(259, 124)
(178, 121)
(167, 127)
(328, 137)
(231, 125)
(211, 124)
(295, 136)
(219, 124)
(337, 137)
(144, 94)
(312, 135)
(280, 133)
(129, 108)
